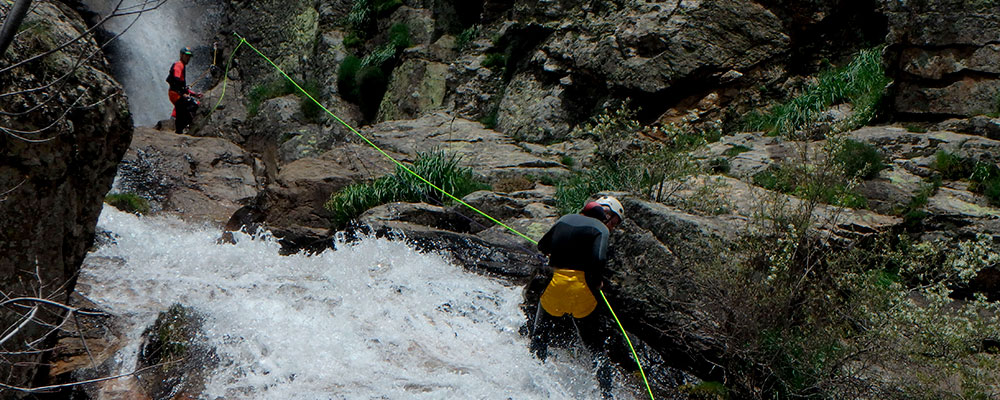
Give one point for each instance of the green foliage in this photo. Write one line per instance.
(496, 61)
(568, 161)
(437, 167)
(952, 166)
(736, 150)
(810, 185)
(283, 87)
(913, 212)
(467, 36)
(625, 164)
(719, 165)
(372, 83)
(353, 41)
(128, 202)
(258, 94)
(489, 120)
(861, 83)
(705, 390)
(860, 160)
(365, 80)
(399, 36)
(914, 128)
(347, 77)
(984, 177)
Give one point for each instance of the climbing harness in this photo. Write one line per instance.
(421, 178)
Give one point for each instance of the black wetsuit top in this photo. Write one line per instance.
(578, 242)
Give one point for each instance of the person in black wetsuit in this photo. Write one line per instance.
(565, 293)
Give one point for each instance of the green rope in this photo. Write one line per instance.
(627, 340)
(401, 165)
(225, 77)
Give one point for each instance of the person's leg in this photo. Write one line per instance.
(182, 121)
(597, 341)
(540, 331)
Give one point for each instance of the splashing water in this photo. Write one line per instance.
(375, 319)
(143, 54)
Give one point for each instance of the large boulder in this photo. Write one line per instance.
(201, 178)
(57, 162)
(487, 152)
(943, 56)
(284, 30)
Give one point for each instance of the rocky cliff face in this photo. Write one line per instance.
(65, 130)
(946, 57)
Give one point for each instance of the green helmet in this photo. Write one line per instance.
(186, 50)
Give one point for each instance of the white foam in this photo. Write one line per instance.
(371, 320)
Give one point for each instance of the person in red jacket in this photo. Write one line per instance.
(181, 96)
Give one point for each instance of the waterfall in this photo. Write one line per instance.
(149, 44)
(372, 319)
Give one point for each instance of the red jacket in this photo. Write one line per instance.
(177, 78)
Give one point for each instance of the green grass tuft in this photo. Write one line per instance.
(736, 150)
(128, 202)
(860, 160)
(437, 167)
(861, 83)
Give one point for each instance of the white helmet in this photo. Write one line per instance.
(614, 204)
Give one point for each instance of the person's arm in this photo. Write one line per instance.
(545, 244)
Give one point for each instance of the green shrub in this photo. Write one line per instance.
(128, 202)
(861, 83)
(719, 165)
(952, 166)
(986, 180)
(736, 150)
(809, 185)
(399, 36)
(495, 61)
(489, 120)
(860, 160)
(467, 36)
(347, 77)
(568, 161)
(372, 83)
(258, 94)
(437, 167)
(352, 41)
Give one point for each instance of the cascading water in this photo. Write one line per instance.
(149, 44)
(374, 319)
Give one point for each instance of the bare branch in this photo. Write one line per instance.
(23, 323)
(41, 389)
(3, 197)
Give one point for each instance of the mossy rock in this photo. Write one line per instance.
(175, 354)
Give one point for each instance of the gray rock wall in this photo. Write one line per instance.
(945, 57)
(53, 182)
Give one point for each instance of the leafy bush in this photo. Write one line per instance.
(437, 167)
(258, 94)
(372, 83)
(284, 87)
(347, 77)
(984, 177)
(952, 166)
(736, 150)
(861, 83)
(495, 61)
(860, 160)
(467, 36)
(811, 185)
(128, 202)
